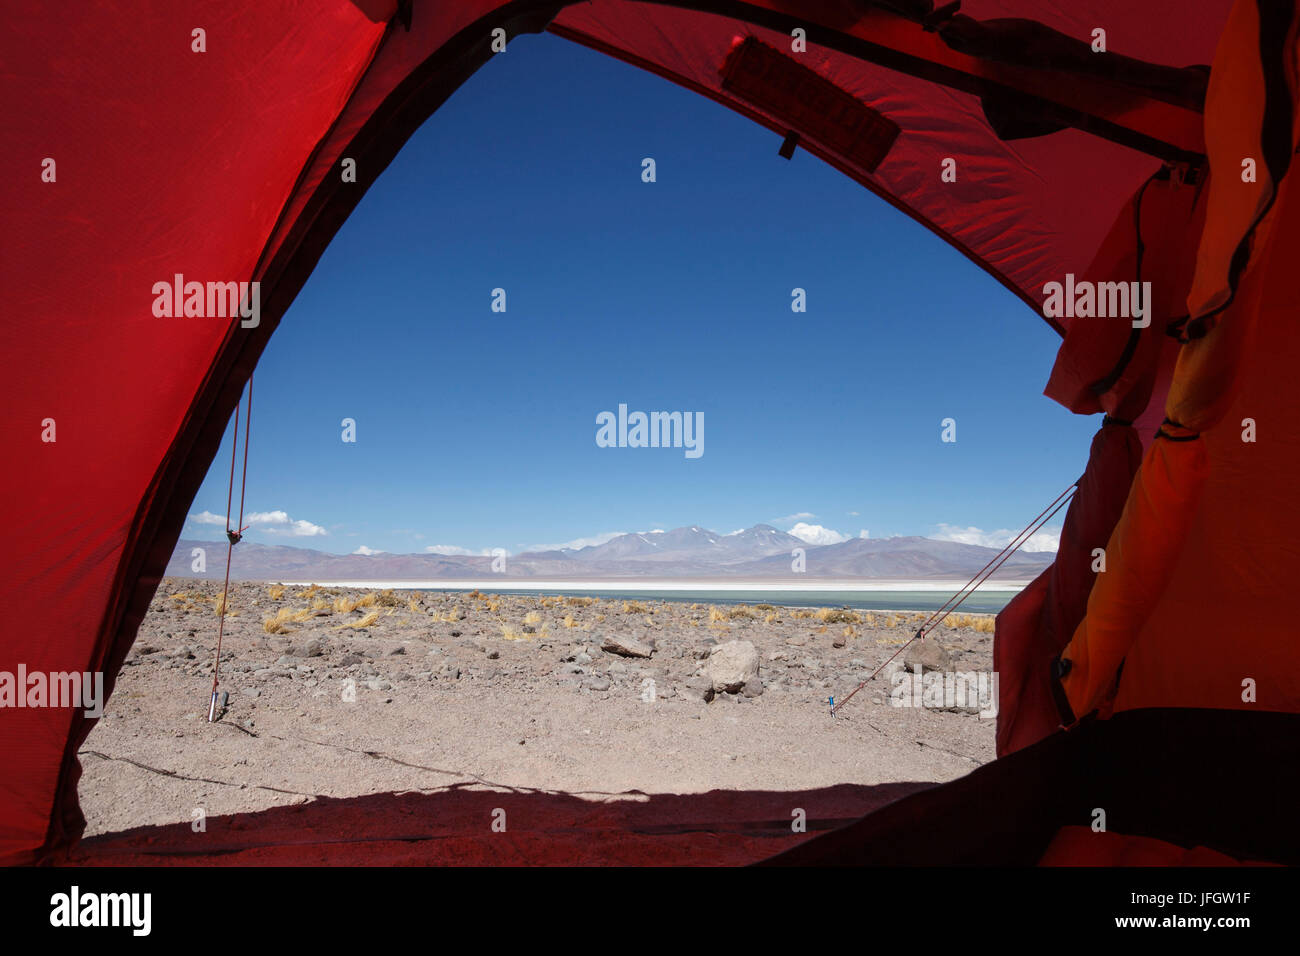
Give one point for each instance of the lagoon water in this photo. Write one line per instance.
(981, 602)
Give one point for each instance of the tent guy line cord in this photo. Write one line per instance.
(232, 535)
(982, 575)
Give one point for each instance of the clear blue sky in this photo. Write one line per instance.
(477, 429)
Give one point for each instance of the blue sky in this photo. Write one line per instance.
(476, 429)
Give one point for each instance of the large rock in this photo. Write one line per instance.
(732, 665)
(929, 654)
(626, 646)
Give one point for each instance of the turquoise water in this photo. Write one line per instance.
(981, 602)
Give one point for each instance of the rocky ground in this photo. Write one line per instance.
(342, 693)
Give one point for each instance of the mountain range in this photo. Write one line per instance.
(760, 552)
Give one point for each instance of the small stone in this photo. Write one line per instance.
(309, 648)
(697, 688)
(626, 646)
(350, 659)
(251, 692)
(493, 655)
(396, 651)
(596, 683)
(930, 655)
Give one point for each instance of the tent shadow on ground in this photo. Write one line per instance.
(455, 827)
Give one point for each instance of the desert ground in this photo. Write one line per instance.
(482, 728)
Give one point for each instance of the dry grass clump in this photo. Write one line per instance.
(277, 622)
(569, 621)
(275, 592)
(716, 614)
(453, 615)
(476, 595)
(580, 601)
(741, 612)
(367, 620)
(308, 593)
(983, 623)
(848, 631)
(367, 600)
(532, 617)
(771, 618)
(345, 605)
(493, 607)
(320, 604)
(387, 598)
(838, 615)
(510, 634)
(764, 607)
(413, 604)
(634, 607)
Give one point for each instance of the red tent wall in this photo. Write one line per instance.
(217, 166)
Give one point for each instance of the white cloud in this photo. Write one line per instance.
(577, 543)
(1045, 539)
(279, 522)
(787, 519)
(272, 522)
(863, 533)
(816, 534)
(446, 549)
(367, 551)
(854, 514)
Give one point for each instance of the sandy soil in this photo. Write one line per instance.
(423, 715)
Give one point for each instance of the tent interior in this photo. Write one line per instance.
(1161, 157)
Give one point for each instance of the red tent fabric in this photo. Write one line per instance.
(131, 157)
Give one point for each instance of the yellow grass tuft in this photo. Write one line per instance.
(764, 607)
(716, 614)
(580, 601)
(320, 604)
(476, 594)
(771, 618)
(387, 598)
(532, 617)
(309, 593)
(345, 605)
(367, 601)
(367, 620)
(494, 607)
(275, 592)
(569, 621)
(634, 607)
(276, 623)
(983, 623)
(510, 634)
(848, 631)
(299, 617)
(838, 615)
(414, 604)
(742, 612)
